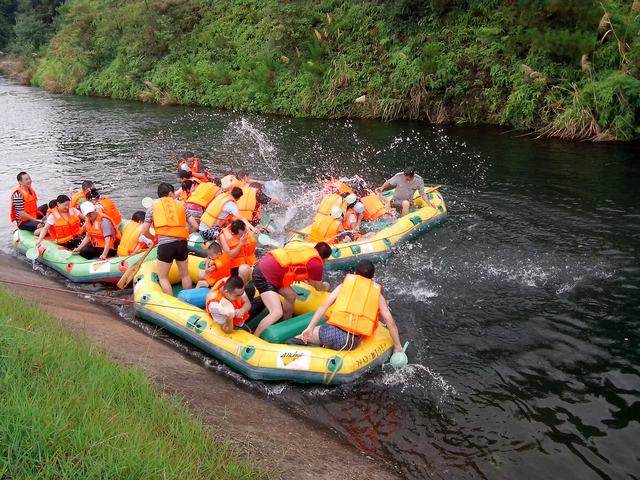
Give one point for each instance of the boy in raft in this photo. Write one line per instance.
(24, 205)
(64, 223)
(357, 303)
(217, 267)
(133, 241)
(101, 232)
(169, 221)
(85, 187)
(406, 184)
(277, 270)
(105, 205)
(228, 304)
(220, 212)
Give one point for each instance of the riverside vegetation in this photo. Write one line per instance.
(67, 412)
(560, 68)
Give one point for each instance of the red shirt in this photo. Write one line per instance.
(273, 272)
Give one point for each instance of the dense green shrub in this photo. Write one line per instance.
(566, 68)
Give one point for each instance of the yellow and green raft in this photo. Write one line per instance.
(388, 235)
(266, 358)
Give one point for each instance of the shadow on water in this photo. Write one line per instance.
(522, 310)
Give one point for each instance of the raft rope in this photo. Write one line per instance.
(128, 301)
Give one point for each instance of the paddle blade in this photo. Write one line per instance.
(132, 271)
(267, 241)
(147, 202)
(32, 253)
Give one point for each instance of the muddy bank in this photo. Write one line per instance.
(269, 434)
(16, 69)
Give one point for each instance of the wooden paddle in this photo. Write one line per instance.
(297, 232)
(132, 271)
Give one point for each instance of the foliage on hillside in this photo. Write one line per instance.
(565, 68)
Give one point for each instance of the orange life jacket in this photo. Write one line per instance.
(330, 201)
(130, 242)
(294, 261)
(212, 215)
(215, 295)
(197, 164)
(66, 229)
(324, 229)
(182, 195)
(96, 235)
(247, 254)
(204, 194)
(374, 208)
(75, 199)
(248, 204)
(110, 210)
(336, 185)
(223, 269)
(169, 218)
(30, 204)
(346, 222)
(356, 308)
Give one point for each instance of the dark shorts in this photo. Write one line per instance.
(261, 283)
(337, 339)
(178, 251)
(73, 243)
(29, 225)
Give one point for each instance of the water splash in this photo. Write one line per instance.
(266, 149)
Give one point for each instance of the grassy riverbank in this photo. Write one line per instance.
(68, 412)
(569, 69)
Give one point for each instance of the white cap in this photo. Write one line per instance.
(359, 207)
(87, 207)
(351, 198)
(225, 183)
(336, 212)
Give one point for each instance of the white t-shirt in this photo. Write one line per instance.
(51, 221)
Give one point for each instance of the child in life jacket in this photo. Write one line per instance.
(217, 266)
(228, 304)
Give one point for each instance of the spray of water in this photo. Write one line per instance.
(266, 149)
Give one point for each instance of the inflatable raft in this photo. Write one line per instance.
(388, 234)
(75, 267)
(266, 358)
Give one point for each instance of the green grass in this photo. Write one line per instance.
(66, 411)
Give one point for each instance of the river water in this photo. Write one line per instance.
(522, 310)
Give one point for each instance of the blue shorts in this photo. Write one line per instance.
(337, 339)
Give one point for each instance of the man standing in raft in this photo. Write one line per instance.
(24, 205)
(169, 221)
(406, 184)
(357, 303)
(277, 270)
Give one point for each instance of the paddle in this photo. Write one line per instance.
(132, 271)
(297, 232)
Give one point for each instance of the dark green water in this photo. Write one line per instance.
(522, 310)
